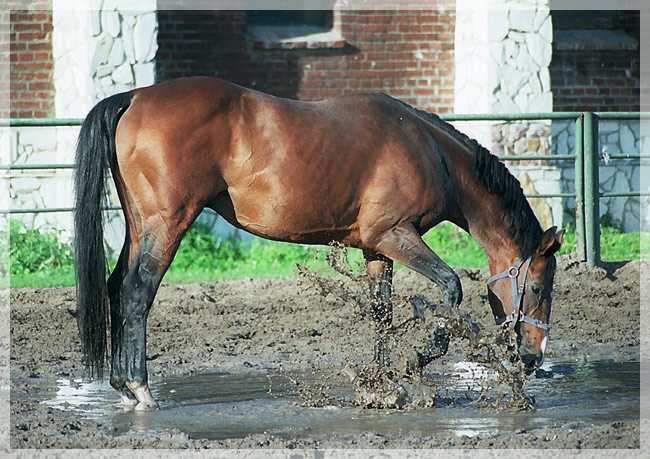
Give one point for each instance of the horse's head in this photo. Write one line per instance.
(522, 297)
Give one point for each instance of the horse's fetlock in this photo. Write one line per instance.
(118, 383)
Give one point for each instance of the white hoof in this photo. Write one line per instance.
(145, 400)
(128, 403)
(149, 406)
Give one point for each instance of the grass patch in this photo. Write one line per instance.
(38, 258)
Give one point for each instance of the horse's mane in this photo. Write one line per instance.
(489, 172)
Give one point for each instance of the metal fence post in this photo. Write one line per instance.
(591, 190)
(579, 188)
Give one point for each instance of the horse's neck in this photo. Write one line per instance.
(488, 228)
(480, 213)
(486, 223)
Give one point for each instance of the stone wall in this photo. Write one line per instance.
(126, 45)
(509, 45)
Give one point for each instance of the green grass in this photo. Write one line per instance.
(39, 259)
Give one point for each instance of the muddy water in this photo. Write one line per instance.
(227, 405)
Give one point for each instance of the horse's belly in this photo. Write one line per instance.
(290, 219)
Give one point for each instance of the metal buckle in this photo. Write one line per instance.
(512, 275)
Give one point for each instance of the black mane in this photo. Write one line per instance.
(489, 172)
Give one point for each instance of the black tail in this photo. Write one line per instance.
(95, 152)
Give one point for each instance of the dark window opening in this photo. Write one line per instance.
(317, 19)
(585, 19)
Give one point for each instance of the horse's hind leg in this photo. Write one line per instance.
(404, 245)
(154, 255)
(380, 271)
(114, 286)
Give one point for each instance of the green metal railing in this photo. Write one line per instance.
(585, 158)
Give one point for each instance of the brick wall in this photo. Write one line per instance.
(408, 54)
(603, 80)
(31, 63)
(4, 61)
(597, 69)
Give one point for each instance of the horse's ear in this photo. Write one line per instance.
(550, 242)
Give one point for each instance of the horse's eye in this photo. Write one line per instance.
(535, 289)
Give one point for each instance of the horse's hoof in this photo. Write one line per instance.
(143, 394)
(147, 406)
(128, 403)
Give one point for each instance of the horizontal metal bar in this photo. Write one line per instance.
(41, 122)
(552, 195)
(29, 167)
(511, 116)
(55, 122)
(66, 209)
(18, 167)
(623, 115)
(49, 210)
(537, 157)
(624, 194)
(626, 156)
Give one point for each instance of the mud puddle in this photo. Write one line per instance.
(233, 405)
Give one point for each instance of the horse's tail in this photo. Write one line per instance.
(95, 153)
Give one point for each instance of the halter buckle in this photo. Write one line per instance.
(518, 314)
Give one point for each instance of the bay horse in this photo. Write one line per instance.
(365, 170)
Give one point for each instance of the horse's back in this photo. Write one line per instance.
(282, 169)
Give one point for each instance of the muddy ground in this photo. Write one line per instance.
(252, 324)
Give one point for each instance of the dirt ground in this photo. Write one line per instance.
(252, 324)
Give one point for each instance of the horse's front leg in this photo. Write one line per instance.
(404, 245)
(380, 271)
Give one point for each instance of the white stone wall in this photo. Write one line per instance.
(125, 47)
(502, 53)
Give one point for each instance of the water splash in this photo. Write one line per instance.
(399, 383)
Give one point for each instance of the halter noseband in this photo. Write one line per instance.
(517, 296)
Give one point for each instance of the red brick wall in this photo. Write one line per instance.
(379, 54)
(31, 64)
(597, 70)
(595, 80)
(4, 63)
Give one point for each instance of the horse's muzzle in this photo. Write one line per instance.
(530, 361)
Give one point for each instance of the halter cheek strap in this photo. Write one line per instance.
(517, 296)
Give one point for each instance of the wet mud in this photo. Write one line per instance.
(282, 326)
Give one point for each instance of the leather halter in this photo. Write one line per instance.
(517, 296)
